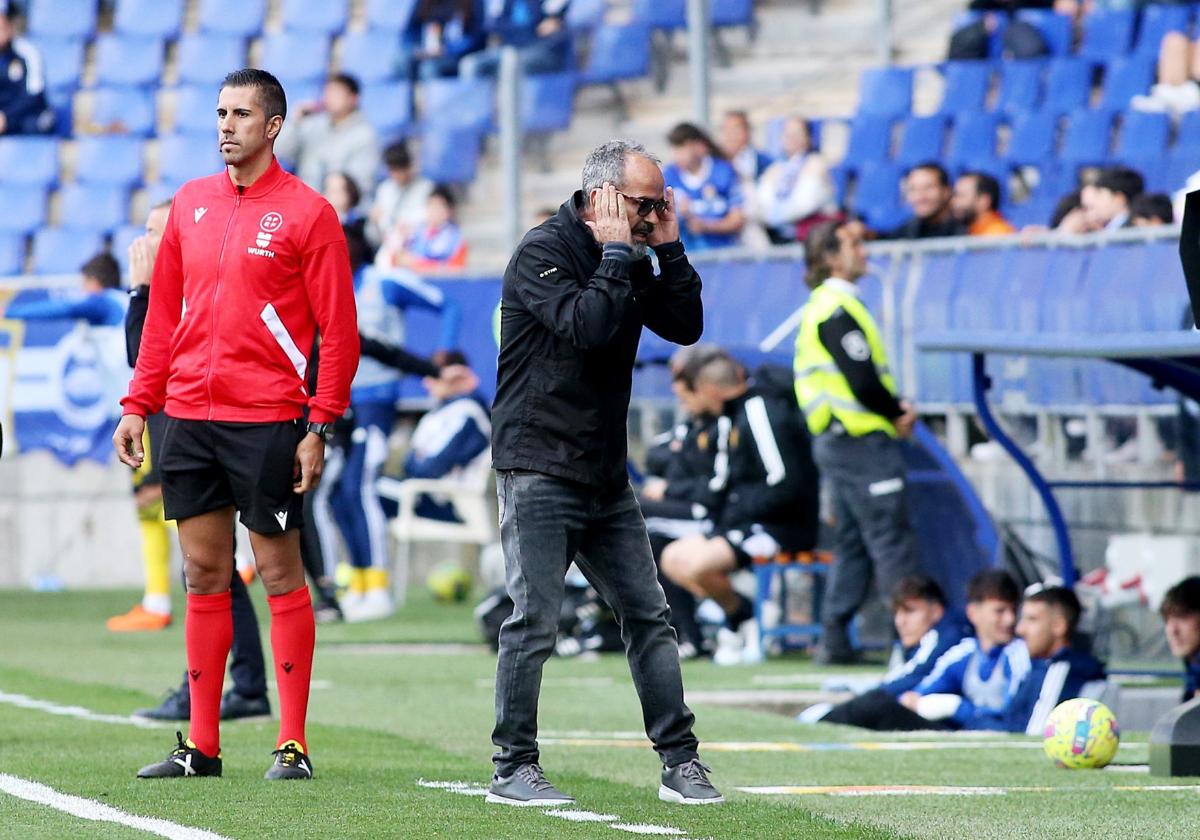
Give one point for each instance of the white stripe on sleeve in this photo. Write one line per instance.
(1052, 686)
(764, 437)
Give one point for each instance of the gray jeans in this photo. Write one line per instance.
(873, 537)
(545, 522)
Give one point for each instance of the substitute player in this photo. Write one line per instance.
(251, 265)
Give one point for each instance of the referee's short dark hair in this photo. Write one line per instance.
(270, 92)
(917, 588)
(104, 270)
(936, 168)
(985, 184)
(1063, 601)
(1182, 599)
(345, 80)
(993, 585)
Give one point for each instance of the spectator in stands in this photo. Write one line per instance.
(439, 34)
(1108, 202)
(1151, 210)
(1019, 39)
(343, 194)
(796, 193)
(535, 27)
(925, 631)
(1180, 611)
(400, 198)
(23, 108)
(99, 300)
(437, 245)
(1178, 88)
(1069, 215)
(765, 487)
(737, 145)
(708, 194)
(976, 205)
(333, 136)
(927, 191)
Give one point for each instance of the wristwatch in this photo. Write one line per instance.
(322, 430)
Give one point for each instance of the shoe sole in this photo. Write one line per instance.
(667, 794)
(497, 799)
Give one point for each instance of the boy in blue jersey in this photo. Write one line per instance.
(99, 300)
(1180, 612)
(708, 191)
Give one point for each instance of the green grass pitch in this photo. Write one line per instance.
(384, 717)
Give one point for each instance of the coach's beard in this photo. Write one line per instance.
(641, 249)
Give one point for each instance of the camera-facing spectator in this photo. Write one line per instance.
(737, 144)
(795, 193)
(927, 193)
(436, 245)
(332, 136)
(23, 108)
(400, 197)
(976, 204)
(708, 192)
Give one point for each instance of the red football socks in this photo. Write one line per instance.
(293, 635)
(208, 634)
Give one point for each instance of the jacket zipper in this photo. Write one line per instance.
(212, 343)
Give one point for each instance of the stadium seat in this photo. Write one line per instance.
(12, 254)
(1107, 33)
(232, 17)
(62, 59)
(392, 15)
(547, 103)
(450, 154)
(1153, 166)
(29, 160)
(585, 15)
(60, 250)
(157, 18)
(1068, 85)
(1157, 20)
(1188, 133)
(130, 107)
(109, 159)
(1031, 141)
(921, 139)
(128, 60)
(1124, 78)
(727, 13)
(467, 103)
(1086, 138)
(973, 139)
(618, 53)
(870, 141)
(62, 18)
(966, 86)
(195, 108)
(24, 207)
(388, 106)
(1181, 163)
(877, 193)
(1020, 86)
(205, 57)
(371, 56)
(661, 14)
(886, 91)
(327, 17)
(182, 157)
(1142, 134)
(97, 207)
(296, 56)
(1056, 29)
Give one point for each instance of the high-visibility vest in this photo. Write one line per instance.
(823, 392)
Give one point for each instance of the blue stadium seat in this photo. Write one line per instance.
(371, 56)
(109, 159)
(12, 254)
(450, 154)
(1086, 138)
(388, 106)
(966, 86)
(921, 139)
(196, 109)
(1035, 210)
(585, 15)
(618, 53)
(61, 250)
(296, 56)
(1020, 86)
(870, 141)
(392, 15)
(1107, 33)
(1068, 85)
(205, 57)
(1142, 134)
(327, 17)
(973, 139)
(1124, 78)
(467, 103)
(1181, 163)
(128, 60)
(1153, 166)
(233, 17)
(182, 157)
(547, 102)
(727, 13)
(99, 207)
(941, 377)
(1057, 30)
(1031, 141)
(62, 18)
(877, 193)
(29, 160)
(24, 207)
(886, 91)
(1157, 20)
(131, 107)
(661, 14)
(159, 18)
(62, 59)
(1188, 132)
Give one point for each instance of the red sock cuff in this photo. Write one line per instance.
(222, 601)
(295, 600)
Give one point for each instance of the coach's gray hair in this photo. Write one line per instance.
(606, 164)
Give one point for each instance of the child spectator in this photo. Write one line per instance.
(708, 193)
(437, 245)
(400, 198)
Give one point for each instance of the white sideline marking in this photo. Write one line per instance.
(945, 790)
(23, 702)
(464, 788)
(643, 828)
(580, 816)
(88, 809)
(797, 746)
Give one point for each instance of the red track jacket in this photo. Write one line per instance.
(243, 280)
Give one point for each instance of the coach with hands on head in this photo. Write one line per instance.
(576, 295)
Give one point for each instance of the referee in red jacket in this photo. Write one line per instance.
(252, 265)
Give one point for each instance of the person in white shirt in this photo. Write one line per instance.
(400, 198)
(794, 189)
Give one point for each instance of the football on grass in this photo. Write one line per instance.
(1081, 733)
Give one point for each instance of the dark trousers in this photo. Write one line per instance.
(882, 712)
(544, 523)
(247, 668)
(873, 538)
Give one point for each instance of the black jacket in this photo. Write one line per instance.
(571, 320)
(685, 460)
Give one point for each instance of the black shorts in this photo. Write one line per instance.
(209, 465)
(749, 543)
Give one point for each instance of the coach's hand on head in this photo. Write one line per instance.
(310, 460)
(611, 222)
(666, 230)
(128, 440)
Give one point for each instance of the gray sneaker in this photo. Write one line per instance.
(688, 784)
(526, 786)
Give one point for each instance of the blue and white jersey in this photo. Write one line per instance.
(106, 308)
(710, 193)
(1191, 677)
(381, 298)
(909, 666)
(452, 441)
(985, 680)
(1067, 674)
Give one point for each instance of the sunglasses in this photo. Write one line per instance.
(646, 206)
